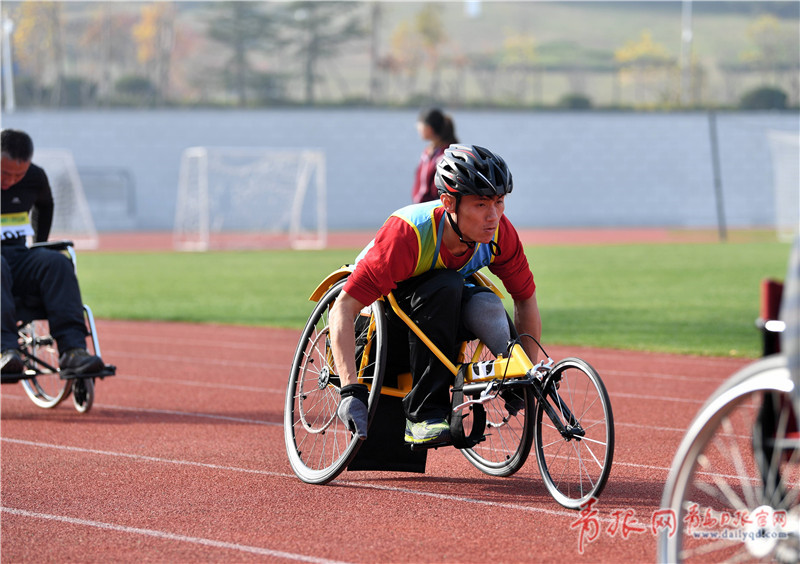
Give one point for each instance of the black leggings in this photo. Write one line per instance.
(433, 301)
(49, 277)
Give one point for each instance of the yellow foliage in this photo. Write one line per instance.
(641, 50)
(518, 48)
(35, 27)
(405, 44)
(765, 26)
(145, 33)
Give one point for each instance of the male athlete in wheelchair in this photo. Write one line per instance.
(416, 325)
(39, 283)
(424, 253)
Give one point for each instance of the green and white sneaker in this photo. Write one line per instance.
(424, 432)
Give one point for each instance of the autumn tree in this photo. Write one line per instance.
(432, 35)
(518, 59)
(154, 35)
(404, 58)
(773, 47)
(245, 28)
(319, 31)
(38, 47)
(643, 59)
(107, 37)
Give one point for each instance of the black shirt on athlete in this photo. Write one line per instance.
(27, 208)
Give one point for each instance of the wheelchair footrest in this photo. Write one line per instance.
(428, 446)
(14, 378)
(108, 370)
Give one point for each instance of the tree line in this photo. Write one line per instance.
(255, 54)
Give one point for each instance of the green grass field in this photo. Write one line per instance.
(689, 298)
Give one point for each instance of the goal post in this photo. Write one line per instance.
(250, 197)
(72, 217)
(785, 148)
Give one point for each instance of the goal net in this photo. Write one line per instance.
(72, 218)
(785, 148)
(239, 197)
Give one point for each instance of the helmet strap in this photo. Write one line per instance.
(454, 225)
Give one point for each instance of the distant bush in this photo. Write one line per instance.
(764, 98)
(136, 86)
(77, 91)
(575, 102)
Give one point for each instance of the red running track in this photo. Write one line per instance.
(182, 459)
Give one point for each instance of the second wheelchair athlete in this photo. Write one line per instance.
(424, 254)
(27, 211)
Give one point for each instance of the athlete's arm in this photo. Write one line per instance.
(42, 212)
(343, 340)
(528, 321)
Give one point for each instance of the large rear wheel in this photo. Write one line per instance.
(46, 388)
(318, 444)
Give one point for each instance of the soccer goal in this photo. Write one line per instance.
(785, 148)
(240, 197)
(72, 218)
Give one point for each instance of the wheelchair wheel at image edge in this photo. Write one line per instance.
(719, 468)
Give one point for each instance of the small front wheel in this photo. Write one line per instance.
(83, 394)
(574, 435)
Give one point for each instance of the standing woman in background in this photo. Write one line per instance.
(438, 128)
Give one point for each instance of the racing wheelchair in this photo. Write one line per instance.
(43, 381)
(564, 410)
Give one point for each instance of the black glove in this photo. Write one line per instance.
(353, 408)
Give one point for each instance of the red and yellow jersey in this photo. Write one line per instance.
(410, 244)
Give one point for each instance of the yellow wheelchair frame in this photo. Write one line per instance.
(574, 449)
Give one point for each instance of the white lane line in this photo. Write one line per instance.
(171, 412)
(660, 376)
(346, 483)
(656, 398)
(183, 359)
(199, 384)
(280, 424)
(142, 457)
(638, 426)
(189, 414)
(168, 536)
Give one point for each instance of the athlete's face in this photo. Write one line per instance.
(12, 171)
(479, 216)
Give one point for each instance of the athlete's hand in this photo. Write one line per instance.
(353, 409)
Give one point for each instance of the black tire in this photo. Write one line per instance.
(46, 389)
(508, 438)
(83, 394)
(318, 444)
(575, 468)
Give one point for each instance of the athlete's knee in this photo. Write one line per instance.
(485, 317)
(54, 263)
